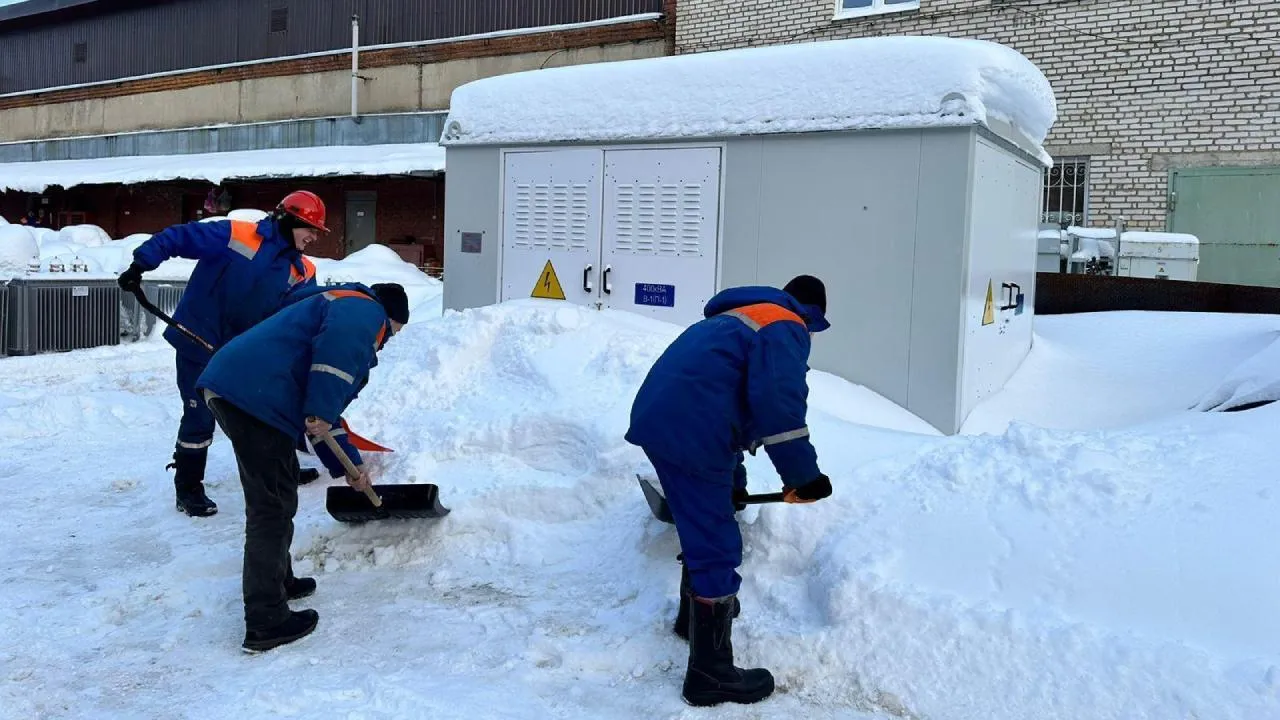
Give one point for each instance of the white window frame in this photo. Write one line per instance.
(878, 7)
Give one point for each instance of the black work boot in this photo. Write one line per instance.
(681, 627)
(299, 625)
(711, 677)
(296, 588)
(188, 483)
(307, 475)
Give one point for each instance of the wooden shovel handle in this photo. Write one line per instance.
(352, 471)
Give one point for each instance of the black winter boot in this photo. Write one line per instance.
(711, 677)
(299, 625)
(306, 475)
(188, 483)
(296, 588)
(681, 627)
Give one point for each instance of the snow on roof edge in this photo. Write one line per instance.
(319, 161)
(862, 83)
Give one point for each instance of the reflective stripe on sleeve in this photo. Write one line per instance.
(321, 367)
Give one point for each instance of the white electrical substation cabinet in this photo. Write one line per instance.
(903, 171)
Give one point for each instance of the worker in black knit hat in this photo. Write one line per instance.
(732, 382)
(292, 374)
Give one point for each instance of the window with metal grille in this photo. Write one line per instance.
(279, 19)
(80, 52)
(1066, 192)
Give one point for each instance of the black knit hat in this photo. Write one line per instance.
(808, 290)
(393, 300)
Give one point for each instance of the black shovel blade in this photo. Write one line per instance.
(657, 503)
(400, 502)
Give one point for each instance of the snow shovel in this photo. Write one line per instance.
(658, 504)
(164, 317)
(380, 502)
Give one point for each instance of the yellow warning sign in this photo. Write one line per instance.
(548, 285)
(988, 311)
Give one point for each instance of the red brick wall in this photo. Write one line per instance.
(406, 207)
(119, 210)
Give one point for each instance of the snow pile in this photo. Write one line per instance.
(18, 248)
(1117, 572)
(378, 263)
(880, 82)
(88, 251)
(84, 235)
(393, 159)
(1255, 380)
(1113, 370)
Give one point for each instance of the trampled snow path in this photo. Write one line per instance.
(117, 606)
(1124, 573)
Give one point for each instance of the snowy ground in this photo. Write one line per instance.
(1092, 547)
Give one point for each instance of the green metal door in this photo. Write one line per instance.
(1236, 214)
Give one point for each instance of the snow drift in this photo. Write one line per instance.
(18, 248)
(1106, 571)
(88, 251)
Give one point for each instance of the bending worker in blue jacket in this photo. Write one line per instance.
(243, 274)
(293, 373)
(731, 382)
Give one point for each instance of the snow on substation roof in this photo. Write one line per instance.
(863, 83)
(397, 159)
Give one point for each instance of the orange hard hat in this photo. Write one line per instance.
(306, 206)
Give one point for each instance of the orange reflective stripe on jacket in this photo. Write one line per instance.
(762, 315)
(295, 278)
(245, 239)
(339, 294)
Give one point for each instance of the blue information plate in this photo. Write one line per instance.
(655, 295)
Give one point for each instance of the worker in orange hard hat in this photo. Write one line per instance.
(244, 273)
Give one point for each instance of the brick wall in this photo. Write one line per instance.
(1142, 85)
(406, 207)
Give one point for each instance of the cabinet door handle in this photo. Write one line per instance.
(605, 279)
(586, 282)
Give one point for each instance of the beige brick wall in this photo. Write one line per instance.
(1142, 85)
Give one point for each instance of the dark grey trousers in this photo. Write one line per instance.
(268, 463)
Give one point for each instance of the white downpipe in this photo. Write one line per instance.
(355, 65)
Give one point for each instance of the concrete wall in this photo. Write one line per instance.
(1142, 86)
(425, 86)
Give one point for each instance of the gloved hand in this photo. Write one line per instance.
(811, 491)
(131, 279)
(739, 497)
